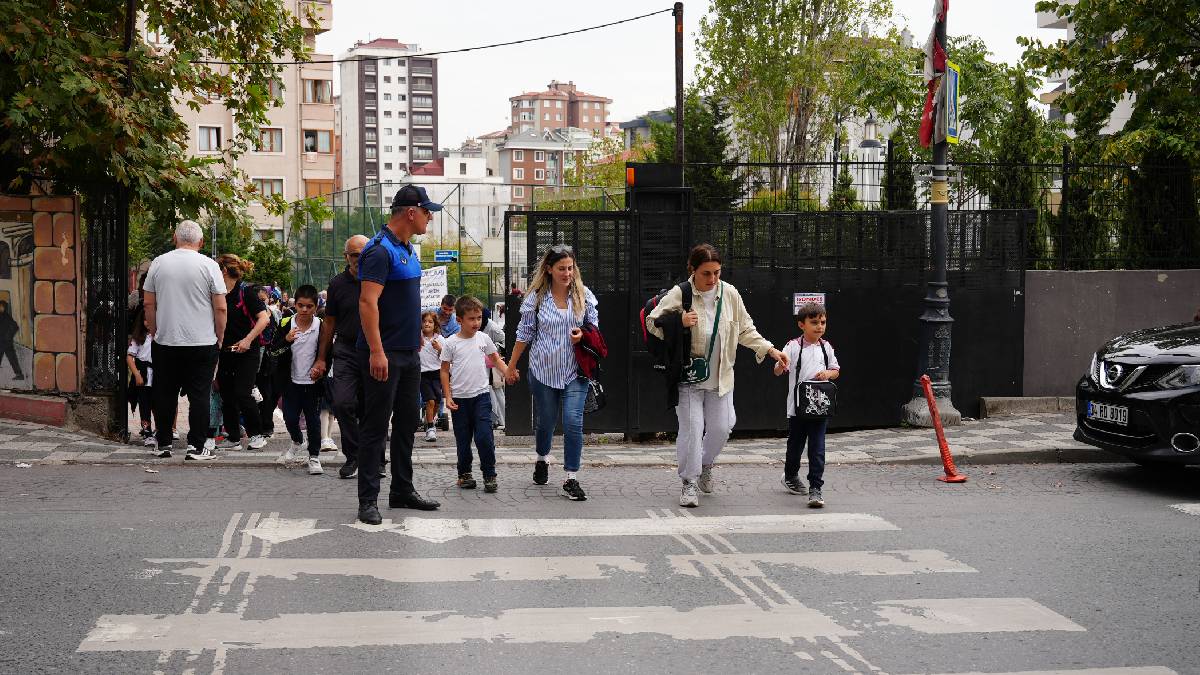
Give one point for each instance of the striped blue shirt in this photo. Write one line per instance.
(552, 356)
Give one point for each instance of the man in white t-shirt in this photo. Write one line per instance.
(185, 310)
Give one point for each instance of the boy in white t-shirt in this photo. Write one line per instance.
(295, 346)
(466, 386)
(810, 357)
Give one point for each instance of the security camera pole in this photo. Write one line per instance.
(933, 358)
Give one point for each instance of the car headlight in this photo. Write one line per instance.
(1183, 376)
(1094, 370)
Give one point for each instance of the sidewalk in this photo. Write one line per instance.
(1043, 437)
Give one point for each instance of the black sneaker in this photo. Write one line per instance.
(466, 481)
(571, 490)
(349, 469)
(489, 484)
(369, 514)
(541, 472)
(794, 485)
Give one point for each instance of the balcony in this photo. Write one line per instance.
(422, 120)
(1050, 20)
(422, 88)
(323, 12)
(421, 70)
(423, 140)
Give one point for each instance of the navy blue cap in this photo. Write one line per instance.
(413, 195)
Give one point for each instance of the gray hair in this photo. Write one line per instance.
(189, 232)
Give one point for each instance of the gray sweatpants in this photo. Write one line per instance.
(705, 421)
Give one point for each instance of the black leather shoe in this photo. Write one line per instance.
(412, 501)
(369, 514)
(349, 469)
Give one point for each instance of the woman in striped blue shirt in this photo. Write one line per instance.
(556, 307)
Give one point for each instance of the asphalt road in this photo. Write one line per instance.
(1076, 568)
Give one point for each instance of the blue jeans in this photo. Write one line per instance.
(306, 399)
(473, 419)
(546, 402)
(800, 431)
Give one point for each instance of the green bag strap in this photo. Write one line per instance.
(712, 339)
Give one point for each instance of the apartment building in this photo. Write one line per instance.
(534, 159)
(389, 107)
(560, 106)
(1120, 114)
(293, 155)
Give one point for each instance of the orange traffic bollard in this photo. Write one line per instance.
(952, 474)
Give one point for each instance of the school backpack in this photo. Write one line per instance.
(654, 344)
(268, 334)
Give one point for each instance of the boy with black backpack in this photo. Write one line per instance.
(812, 367)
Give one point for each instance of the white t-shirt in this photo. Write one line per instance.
(304, 349)
(709, 300)
(429, 356)
(141, 352)
(468, 359)
(184, 283)
(806, 361)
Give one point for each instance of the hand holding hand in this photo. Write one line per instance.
(317, 371)
(512, 376)
(243, 345)
(779, 357)
(690, 318)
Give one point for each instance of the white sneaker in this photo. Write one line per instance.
(314, 466)
(204, 454)
(327, 445)
(210, 444)
(431, 434)
(705, 483)
(149, 441)
(288, 456)
(257, 442)
(689, 497)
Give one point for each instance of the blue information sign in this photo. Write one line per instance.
(445, 256)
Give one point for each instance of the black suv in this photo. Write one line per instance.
(1141, 396)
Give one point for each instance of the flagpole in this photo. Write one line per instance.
(933, 357)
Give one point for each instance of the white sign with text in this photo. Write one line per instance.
(433, 287)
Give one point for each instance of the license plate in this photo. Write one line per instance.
(1105, 412)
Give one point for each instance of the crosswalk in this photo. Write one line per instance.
(756, 594)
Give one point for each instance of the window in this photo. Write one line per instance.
(270, 139)
(527, 103)
(558, 104)
(210, 139)
(558, 117)
(318, 91)
(316, 188)
(369, 119)
(387, 78)
(596, 105)
(586, 118)
(387, 131)
(275, 90)
(539, 174)
(518, 155)
(401, 79)
(317, 140)
(422, 101)
(266, 187)
(423, 119)
(539, 155)
(369, 101)
(401, 114)
(387, 113)
(155, 36)
(369, 85)
(422, 153)
(401, 97)
(369, 152)
(387, 166)
(387, 97)
(546, 117)
(399, 62)
(402, 132)
(387, 148)
(518, 173)
(526, 117)
(462, 168)
(519, 192)
(370, 135)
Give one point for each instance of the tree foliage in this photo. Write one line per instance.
(81, 107)
(705, 142)
(272, 266)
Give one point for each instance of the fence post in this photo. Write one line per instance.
(1064, 211)
(891, 178)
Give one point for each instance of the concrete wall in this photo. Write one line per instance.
(1068, 315)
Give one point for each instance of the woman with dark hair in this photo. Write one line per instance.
(718, 323)
(238, 364)
(553, 314)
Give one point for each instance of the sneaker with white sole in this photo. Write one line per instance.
(227, 444)
(314, 466)
(204, 454)
(794, 485)
(291, 454)
(690, 496)
(257, 442)
(706, 481)
(815, 500)
(431, 434)
(160, 450)
(573, 491)
(210, 444)
(149, 441)
(327, 445)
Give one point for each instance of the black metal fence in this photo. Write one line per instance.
(105, 212)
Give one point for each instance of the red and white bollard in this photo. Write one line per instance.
(952, 474)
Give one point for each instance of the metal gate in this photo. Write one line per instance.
(106, 217)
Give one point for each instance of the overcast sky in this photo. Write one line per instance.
(631, 63)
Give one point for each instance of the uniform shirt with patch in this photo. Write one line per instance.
(388, 261)
(805, 362)
(468, 359)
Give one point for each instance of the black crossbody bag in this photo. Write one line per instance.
(814, 399)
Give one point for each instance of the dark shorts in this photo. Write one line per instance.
(431, 385)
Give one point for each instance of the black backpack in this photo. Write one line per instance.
(654, 345)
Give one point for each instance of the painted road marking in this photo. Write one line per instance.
(278, 530)
(973, 615)
(153, 632)
(867, 563)
(418, 570)
(440, 530)
(1190, 509)
(1147, 670)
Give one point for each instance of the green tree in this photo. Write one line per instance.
(903, 192)
(272, 265)
(80, 106)
(705, 149)
(844, 197)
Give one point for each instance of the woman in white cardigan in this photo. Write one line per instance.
(719, 323)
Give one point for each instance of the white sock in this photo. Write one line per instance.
(541, 458)
(570, 475)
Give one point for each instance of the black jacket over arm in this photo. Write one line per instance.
(677, 344)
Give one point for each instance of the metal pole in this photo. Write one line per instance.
(460, 229)
(1064, 208)
(678, 14)
(933, 357)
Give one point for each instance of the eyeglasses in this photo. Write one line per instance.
(562, 249)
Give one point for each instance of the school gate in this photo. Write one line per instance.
(871, 266)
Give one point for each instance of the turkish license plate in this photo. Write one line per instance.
(1105, 412)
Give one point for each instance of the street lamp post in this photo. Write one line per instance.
(933, 357)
